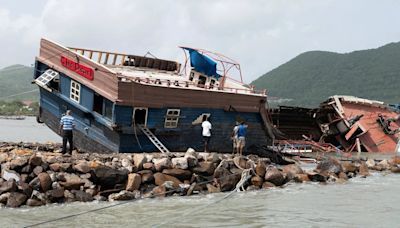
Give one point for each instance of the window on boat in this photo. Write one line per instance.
(212, 83)
(202, 81)
(49, 80)
(75, 93)
(172, 118)
(102, 106)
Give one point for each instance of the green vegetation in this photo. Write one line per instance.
(312, 77)
(17, 108)
(15, 87)
(16, 79)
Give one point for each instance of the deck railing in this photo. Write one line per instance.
(120, 59)
(187, 84)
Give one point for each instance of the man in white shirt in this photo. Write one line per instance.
(206, 125)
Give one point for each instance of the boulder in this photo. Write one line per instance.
(82, 196)
(395, 169)
(139, 160)
(55, 195)
(134, 181)
(61, 167)
(4, 197)
(159, 191)
(205, 168)
(3, 157)
(178, 173)
(35, 160)
(329, 165)
(192, 159)
(10, 174)
(18, 162)
(45, 181)
(317, 177)
(213, 157)
(300, 178)
(349, 167)
(16, 199)
(257, 181)
(274, 176)
(25, 188)
(34, 203)
(370, 163)
(162, 163)
(179, 163)
(261, 168)
(225, 179)
(292, 170)
(125, 162)
(8, 186)
(363, 170)
(160, 178)
(212, 189)
(147, 176)
(26, 169)
(384, 164)
(82, 167)
(37, 170)
(107, 177)
(267, 185)
(124, 195)
(148, 166)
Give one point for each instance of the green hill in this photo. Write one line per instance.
(312, 77)
(15, 84)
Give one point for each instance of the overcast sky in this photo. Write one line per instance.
(259, 34)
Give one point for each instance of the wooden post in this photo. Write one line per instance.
(358, 148)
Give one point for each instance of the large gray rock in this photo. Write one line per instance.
(162, 163)
(82, 167)
(8, 186)
(139, 160)
(107, 177)
(124, 195)
(16, 199)
(134, 181)
(10, 174)
(329, 165)
(180, 163)
(82, 196)
(274, 176)
(178, 173)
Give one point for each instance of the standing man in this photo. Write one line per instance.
(206, 125)
(241, 133)
(67, 125)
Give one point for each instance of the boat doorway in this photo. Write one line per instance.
(140, 116)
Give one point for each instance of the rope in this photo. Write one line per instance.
(13, 95)
(239, 184)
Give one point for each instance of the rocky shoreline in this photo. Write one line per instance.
(37, 174)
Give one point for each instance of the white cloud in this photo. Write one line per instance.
(259, 34)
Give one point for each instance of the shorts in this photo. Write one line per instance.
(206, 139)
(235, 142)
(241, 142)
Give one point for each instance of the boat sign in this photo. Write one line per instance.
(78, 68)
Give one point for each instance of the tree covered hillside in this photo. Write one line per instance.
(312, 77)
(16, 79)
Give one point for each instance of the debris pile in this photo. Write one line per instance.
(35, 175)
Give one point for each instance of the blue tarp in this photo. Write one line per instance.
(202, 63)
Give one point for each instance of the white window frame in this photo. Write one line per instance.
(172, 118)
(45, 78)
(75, 91)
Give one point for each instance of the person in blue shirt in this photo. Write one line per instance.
(66, 126)
(241, 137)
